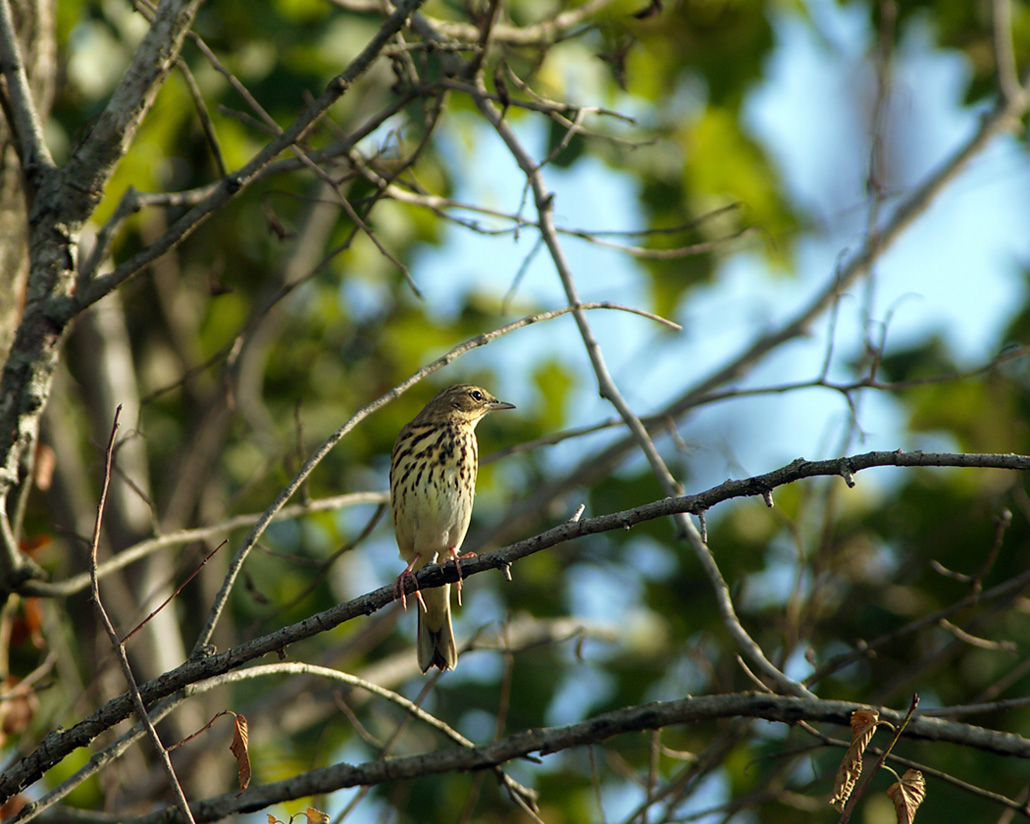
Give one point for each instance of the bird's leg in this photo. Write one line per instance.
(457, 564)
(398, 587)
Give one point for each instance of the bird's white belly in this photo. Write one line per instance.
(442, 513)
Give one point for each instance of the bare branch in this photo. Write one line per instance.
(110, 136)
(19, 107)
(205, 665)
(1004, 56)
(782, 709)
(231, 186)
(544, 33)
(128, 556)
(119, 648)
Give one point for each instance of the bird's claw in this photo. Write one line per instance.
(398, 590)
(457, 565)
(398, 587)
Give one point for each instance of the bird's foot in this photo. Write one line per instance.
(457, 565)
(398, 587)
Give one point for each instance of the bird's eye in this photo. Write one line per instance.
(476, 395)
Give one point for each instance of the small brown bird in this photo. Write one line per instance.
(432, 482)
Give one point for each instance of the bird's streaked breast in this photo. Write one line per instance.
(432, 484)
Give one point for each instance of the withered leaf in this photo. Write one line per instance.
(316, 816)
(238, 748)
(907, 795)
(863, 725)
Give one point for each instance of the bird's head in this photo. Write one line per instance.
(463, 403)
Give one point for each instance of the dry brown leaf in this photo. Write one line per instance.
(863, 725)
(907, 795)
(238, 747)
(316, 816)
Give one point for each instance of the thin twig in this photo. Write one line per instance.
(144, 549)
(141, 711)
(204, 116)
(866, 649)
(178, 589)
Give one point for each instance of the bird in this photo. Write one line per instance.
(433, 471)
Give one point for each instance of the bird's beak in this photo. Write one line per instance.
(497, 406)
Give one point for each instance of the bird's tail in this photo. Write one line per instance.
(435, 636)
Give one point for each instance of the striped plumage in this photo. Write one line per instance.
(432, 483)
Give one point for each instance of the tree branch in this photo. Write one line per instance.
(130, 555)
(18, 105)
(94, 160)
(60, 743)
(782, 709)
(231, 186)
